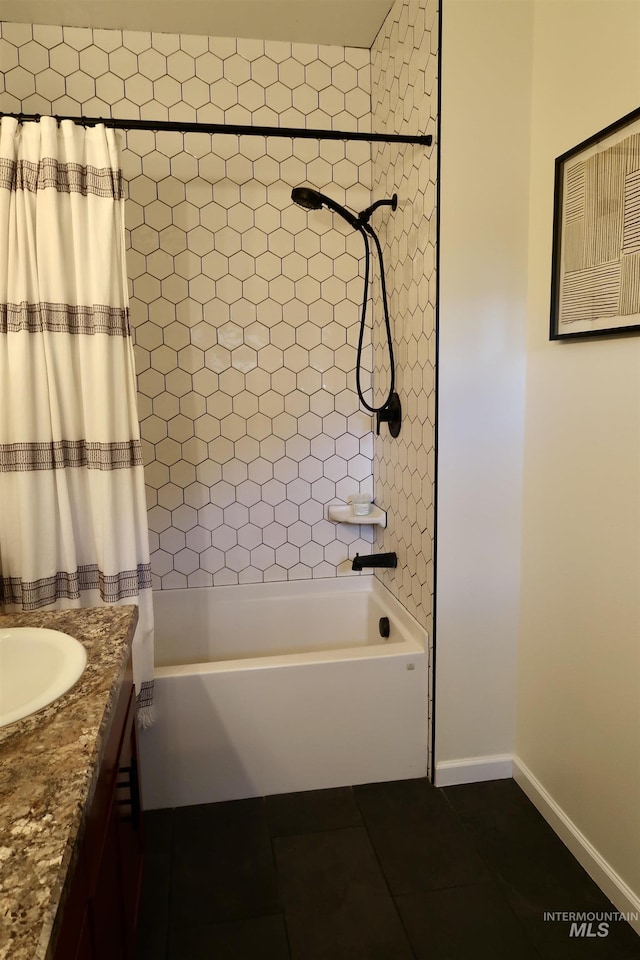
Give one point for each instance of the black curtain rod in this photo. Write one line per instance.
(233, 128)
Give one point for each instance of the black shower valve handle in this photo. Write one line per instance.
(391, 413)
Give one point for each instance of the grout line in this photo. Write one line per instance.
(384, 877)
(494, 876)
(494, 873)
(283, 912)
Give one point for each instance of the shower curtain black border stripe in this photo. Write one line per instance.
(231, 129)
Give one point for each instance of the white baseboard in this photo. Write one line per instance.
(473, 770)
(622, 896)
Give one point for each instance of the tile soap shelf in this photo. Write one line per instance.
(340, 513)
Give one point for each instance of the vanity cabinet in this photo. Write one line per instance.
(100, 910)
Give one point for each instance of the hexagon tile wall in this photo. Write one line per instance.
(245, 320)
(404, 97)
(244, 307)
(404, 71)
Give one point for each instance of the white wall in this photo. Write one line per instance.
(578, 727)
(486, 88)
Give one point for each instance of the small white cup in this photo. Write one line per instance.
(361, 504)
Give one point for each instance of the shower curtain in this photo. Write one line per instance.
(73, 521)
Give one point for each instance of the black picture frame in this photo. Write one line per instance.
(595, 279)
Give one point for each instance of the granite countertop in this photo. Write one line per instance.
(48, 769)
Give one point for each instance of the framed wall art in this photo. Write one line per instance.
(595, 285)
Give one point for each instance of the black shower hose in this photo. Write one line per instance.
(366, 231)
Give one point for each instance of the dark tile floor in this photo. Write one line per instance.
(385, 871)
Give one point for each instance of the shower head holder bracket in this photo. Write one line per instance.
(391, 413)
(365, 216)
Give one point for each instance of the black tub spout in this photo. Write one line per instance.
(375, 560)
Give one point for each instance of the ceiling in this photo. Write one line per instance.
(350, 23)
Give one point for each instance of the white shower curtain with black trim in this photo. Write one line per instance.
(73, 521)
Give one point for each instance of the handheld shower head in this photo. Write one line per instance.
(313, 200)
(310, 199)
(307, 198)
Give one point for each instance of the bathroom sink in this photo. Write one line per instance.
(36, 667)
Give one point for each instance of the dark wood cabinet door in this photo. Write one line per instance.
(85, 944)
(73, 938)
(101, 910)
(107, 914)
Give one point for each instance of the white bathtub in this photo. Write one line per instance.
(279, 687)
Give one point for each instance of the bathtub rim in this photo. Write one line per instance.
(414, 641)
